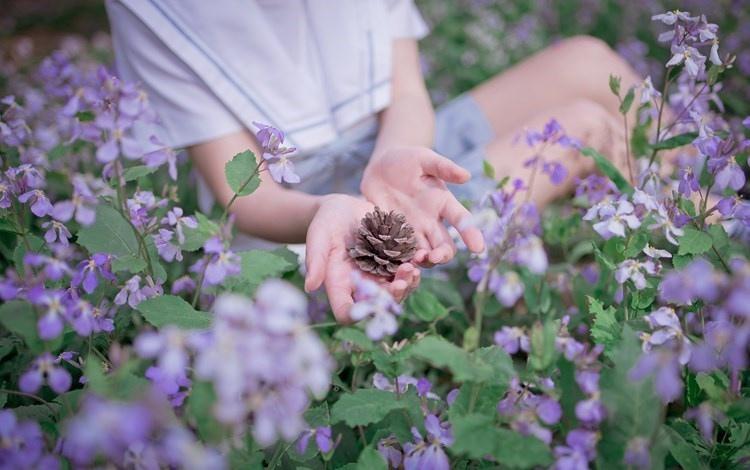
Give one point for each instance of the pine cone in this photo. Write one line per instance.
(383, 242)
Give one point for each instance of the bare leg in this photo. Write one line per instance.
(573, 69)
(582, 119)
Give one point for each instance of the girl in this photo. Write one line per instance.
(342, 79)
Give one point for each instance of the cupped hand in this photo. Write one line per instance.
(329, 236)
(412, 180)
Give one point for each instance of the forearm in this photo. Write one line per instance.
(409, 121)
(272, 212)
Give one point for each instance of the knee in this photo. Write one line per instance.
(589, 114)
(585, 47)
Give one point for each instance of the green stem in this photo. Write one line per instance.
(199, 284)
(236, 195)
(667, 81)
(32, 396)
(280, 451)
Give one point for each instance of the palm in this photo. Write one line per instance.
(329, 235)
(413, 181)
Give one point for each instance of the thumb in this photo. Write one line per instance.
(316, 260)
(442, 168)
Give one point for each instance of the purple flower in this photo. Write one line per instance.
(512, 339)
(429, 453)
(179, 222)
(376, 307)
(174, 387)
(54, 309)
(323, 439)
(390, 450)
(220, 263)
(54, 269)
(56, 231)
(507, 287)
(23, 443)
(117, 140)
(82, 205)
(276, 155)
(614, 218)
(89, 271)
(705, 415)
(160, 156)
(556, 171)
(45, 369)
(132, 293)
(164, 246)
(40, 205)
(634, 271)
(637, 453)
(665, 367)
(553, 133)
(168, 346)
(694, 61)
(549, 411)
(695, 281)
(580, 449)
(590, 411)
(688, 182)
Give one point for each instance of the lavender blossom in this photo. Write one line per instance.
(45, 369)
(429, 453)
(376, 307)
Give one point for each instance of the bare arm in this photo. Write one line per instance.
(272, 212)
(410, 119)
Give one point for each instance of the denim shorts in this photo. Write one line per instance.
(461, 134)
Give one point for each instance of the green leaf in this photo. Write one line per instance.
(37, 412)
(609, 170)
(85, 116)
(119, 385)
(614, 84)
(517, 451)
(445, 292)
(633, 409)
(196, 237)
(500, 362)
(627, 102)
(256, 267)
(425, 305)
(172, 310)
(477, 398)
(676, 141)
(110, 233)
(370, 459)
(605, 329)
(129, 263)
(694, 242)
(356, 337)
(365, 406)
(138, 171)
(19, 318)
(542, 340)
(443, 354)
(682, 452)
(241, 173)
(36, 244)
(474, 435)
(636, 244)
(488, 169)
(199, 405)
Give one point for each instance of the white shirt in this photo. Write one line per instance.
(312, 68)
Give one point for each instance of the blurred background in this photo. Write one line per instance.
(470, 40)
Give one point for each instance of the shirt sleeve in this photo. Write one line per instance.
(188, 111)
(405, 20)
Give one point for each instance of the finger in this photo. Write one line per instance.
(444, 169)
(444, 249)
(458, 216)
(339, 288)
(409, 273)
(398, 289)
(316, 259)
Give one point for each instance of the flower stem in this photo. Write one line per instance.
(199, 284)
(32, 396)
(667, 81)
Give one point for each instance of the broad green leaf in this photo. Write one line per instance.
(477, 398)
(474, 435)
(370, 459)
(138, 171)
(35, 243)
(633, 409)
(37, 413)
(19, 318)
(365, 406)
(172, 310)
(196, 237)
(318, 416)
(517, 451)
(627, 102)
(676, 141)
(256, 267)
(500, 362)
(609, 170)
(129, 263)
(605, 329)
(199, 405)
(122, 384)
(443, 354)
(543, 352)
(445, 292)
(110, 233)
(682, 452)
(241, 174)
(356, 337)
(694, 242)
(636, 244)
(425, 305)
